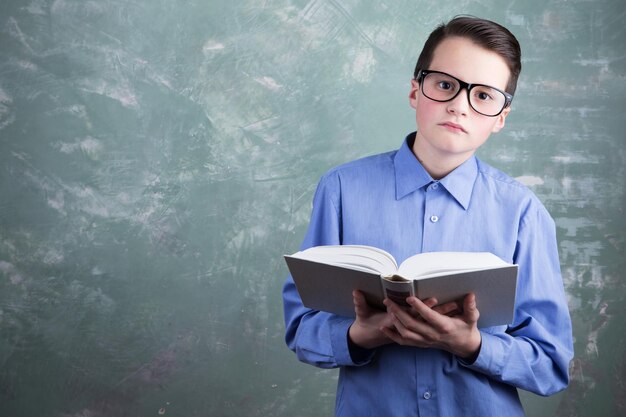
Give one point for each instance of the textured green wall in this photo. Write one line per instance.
(157, 158)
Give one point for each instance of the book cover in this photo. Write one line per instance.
(328, 287)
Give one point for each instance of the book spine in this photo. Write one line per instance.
(397, 291)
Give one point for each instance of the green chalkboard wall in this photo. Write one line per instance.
(157, 158)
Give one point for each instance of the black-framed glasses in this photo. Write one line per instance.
(442, 87)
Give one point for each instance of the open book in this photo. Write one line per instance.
(325, 277)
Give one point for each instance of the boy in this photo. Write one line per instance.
(433, 194)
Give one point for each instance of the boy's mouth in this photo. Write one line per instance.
(453, 127)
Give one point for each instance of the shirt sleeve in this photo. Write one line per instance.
(319, 338)
(533, 354)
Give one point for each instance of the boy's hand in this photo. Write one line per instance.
(366, 331)
(427, 327)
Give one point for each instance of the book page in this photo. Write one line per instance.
(365, 258)
(441, 263)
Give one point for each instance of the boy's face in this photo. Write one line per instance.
(453, 130)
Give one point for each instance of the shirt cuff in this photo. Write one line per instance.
(359, 355)
(490, 357)
(347, 353)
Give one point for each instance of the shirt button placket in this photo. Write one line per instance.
(431, 216)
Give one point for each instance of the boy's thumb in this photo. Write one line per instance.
(470, 307)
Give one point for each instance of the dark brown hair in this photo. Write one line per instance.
(482, 32)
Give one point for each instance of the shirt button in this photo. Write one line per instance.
(435, 186)
(434, 219)
(427, 395)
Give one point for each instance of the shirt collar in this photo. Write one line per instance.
(411, 175)
(460, 182)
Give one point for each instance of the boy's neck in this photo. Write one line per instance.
(437, 164)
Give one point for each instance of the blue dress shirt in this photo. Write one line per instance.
(391, 202)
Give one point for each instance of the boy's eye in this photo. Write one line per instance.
(483, 96)
(445, 85)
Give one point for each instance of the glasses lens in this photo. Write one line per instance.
(440, 87)
(487, 100)
(484, 99)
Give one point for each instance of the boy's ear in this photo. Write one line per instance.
(500, 120)
(414, 93)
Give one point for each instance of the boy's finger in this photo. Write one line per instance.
(408, 333)
(449, 309)
(359, 298)
(469, 308)
(408, 318)
(428, 314)
(360, 306)
(430, 302)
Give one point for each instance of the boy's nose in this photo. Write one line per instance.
(460, 104)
